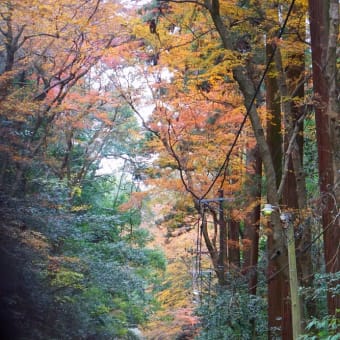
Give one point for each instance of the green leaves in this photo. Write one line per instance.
(109, 282)
(232, 315)
(325, 328)
(68, 279)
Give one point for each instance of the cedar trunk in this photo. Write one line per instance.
(295, 193)
(234, 243)
(277, 252)
(279, 315)
(252, 221)
(327, 128)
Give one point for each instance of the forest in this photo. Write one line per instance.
(169, 169)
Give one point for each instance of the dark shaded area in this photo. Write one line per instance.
(26, 306)
(20, 313)
(10, 291)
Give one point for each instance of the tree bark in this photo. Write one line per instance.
(223, 251)
(323, 18)
(333, 77)
(295, 192)
(234, 243)
(252, 220)
(276, 251)
(294, 196)
(279, 315)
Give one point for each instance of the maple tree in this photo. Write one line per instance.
(50, 84)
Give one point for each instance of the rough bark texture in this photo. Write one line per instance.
(234, 243)
(279, 316)
(295, 194)
(278, 275)
(223, 251)
(323, 15)
(252, 221)
(333, 76)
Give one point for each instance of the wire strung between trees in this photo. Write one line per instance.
(272, 276)
(198, 260)
(304, 250)
(225, 164)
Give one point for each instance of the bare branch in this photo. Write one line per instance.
(290, 148)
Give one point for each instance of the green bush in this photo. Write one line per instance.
(233, 314)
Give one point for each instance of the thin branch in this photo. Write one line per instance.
(27, 37)
(94, 11)
(290, 148)
(179, 165)
(203, 4)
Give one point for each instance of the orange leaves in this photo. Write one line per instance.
(104, 118)
(135, 201)
(196, 134)
(198, 109)
(56, 93)
(35, 240)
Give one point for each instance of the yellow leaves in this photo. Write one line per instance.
(45, 10)
(80, 208)
(68, 279)
(140, 29)
(177, 279)
(167, 163)
(229, 7)
(176, 297)
(303, 3)
(76, 191)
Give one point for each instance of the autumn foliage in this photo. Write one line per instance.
(233, 99)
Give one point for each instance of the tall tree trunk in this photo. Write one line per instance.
(223, 251)
(279, 316)
(295, 193)
(333, 77)
(323, 18)
(252, 221)
(294, 188)
(250, 240)
(277, 252)
(234, 243)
